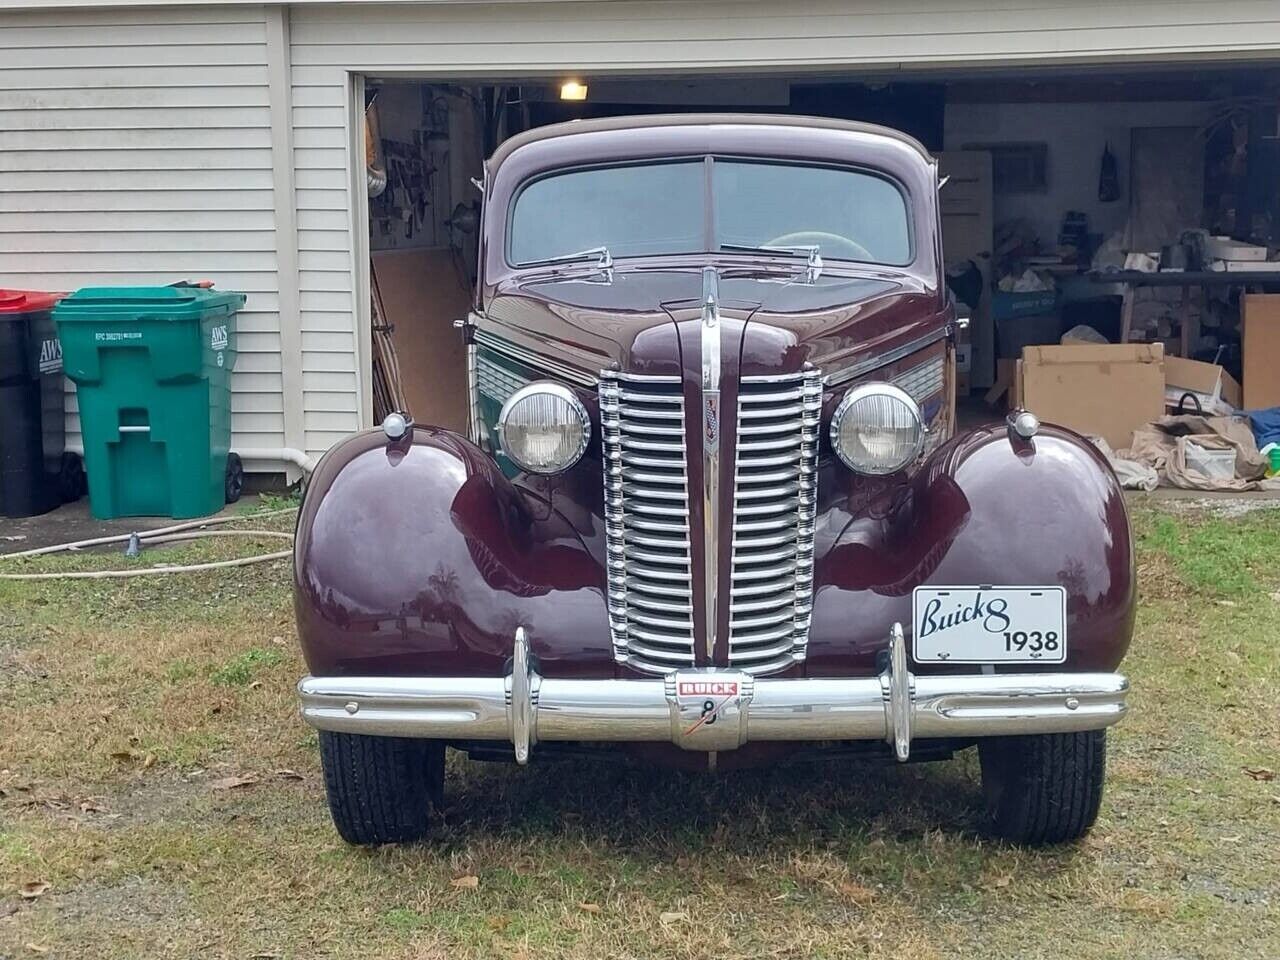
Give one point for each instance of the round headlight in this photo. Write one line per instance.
(877, 429)
(543, 428)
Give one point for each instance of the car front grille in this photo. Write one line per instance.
(647, 521)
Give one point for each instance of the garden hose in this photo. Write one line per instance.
(171, 534)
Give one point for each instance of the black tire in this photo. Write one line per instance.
(234, 478)
(381, 789)
(1046, 788)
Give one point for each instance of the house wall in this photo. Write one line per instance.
(1075, 134)
(136, 148)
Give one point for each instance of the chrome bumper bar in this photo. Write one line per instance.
(714, 709)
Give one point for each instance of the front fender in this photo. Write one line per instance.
(984, 509)
(419, 557)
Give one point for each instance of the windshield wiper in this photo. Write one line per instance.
(813, 269)
(603, 261)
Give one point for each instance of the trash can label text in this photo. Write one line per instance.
(50, 356)
(111, 336)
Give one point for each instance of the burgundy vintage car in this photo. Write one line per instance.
(711, 507)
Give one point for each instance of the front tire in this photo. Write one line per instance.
(1045, 788)
(381, 789)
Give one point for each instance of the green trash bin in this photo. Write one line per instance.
(152, 368)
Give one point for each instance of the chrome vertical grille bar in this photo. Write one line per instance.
(710, 451)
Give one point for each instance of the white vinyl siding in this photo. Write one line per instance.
(135, 148)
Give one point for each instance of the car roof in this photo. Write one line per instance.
(640, 123)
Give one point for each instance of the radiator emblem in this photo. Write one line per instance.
(711, 420)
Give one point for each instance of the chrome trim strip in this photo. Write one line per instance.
(526, 708)
(845, 374)
(536, 361)
(710, 336)
(473, 394)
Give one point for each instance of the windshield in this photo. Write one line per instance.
(665, 208)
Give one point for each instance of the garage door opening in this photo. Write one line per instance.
(1049, 174)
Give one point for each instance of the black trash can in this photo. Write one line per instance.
(36, 472)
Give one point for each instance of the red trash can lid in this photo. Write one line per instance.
(27, 301)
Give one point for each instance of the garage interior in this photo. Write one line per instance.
(1051, 175)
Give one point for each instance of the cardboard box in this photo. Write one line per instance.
(1107, 390)
(1260, 349)
(1216, 389)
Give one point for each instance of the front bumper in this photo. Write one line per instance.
(713, 710)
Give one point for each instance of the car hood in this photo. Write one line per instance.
(630, 321)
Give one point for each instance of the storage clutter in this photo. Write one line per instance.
(152, 368)
(1160, 338)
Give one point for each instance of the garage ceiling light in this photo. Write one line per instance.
(573, 90)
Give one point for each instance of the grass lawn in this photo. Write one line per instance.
(159, 797)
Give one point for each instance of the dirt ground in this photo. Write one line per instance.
(159, 797)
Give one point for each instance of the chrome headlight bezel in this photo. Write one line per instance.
(560, 392)
(878, 389)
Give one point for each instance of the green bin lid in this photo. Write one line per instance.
(178, 302)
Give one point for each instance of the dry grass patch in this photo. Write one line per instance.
(155, 776)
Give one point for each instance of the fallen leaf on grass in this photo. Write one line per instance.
(1260, 773)
(124, 756)
(288, 775)
(234, 783)
(856, 892)
(465, 883)
(91, 805)
(37, 948)
(673, 917)
(1003, 881)
(32, 889)
(589, 907)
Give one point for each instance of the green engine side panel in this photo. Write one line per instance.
(497, 378)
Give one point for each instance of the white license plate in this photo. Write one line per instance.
(989, 624)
